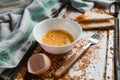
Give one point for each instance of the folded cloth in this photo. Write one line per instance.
(10, 2)
(82, 4)
(16, 28)
(103, 3)
(16, 31)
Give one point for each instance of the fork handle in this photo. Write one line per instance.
(68, 64)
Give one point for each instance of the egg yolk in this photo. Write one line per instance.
(57, 38)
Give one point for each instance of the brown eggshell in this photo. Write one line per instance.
(38, 64)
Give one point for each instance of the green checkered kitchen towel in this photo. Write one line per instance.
(16, 27)
(16, 30)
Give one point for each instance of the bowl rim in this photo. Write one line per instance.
(69, 33)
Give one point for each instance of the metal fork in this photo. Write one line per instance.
(92, 40)
(68, 64)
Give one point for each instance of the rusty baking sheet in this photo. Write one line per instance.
(96, 64)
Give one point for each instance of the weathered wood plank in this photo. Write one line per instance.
(110, 57)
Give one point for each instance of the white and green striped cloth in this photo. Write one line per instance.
(16, 31)
(16, 25)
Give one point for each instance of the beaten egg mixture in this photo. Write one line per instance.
(57, 38)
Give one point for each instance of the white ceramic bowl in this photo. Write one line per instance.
(57, 24)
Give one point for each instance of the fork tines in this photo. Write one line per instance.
(96, 35)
